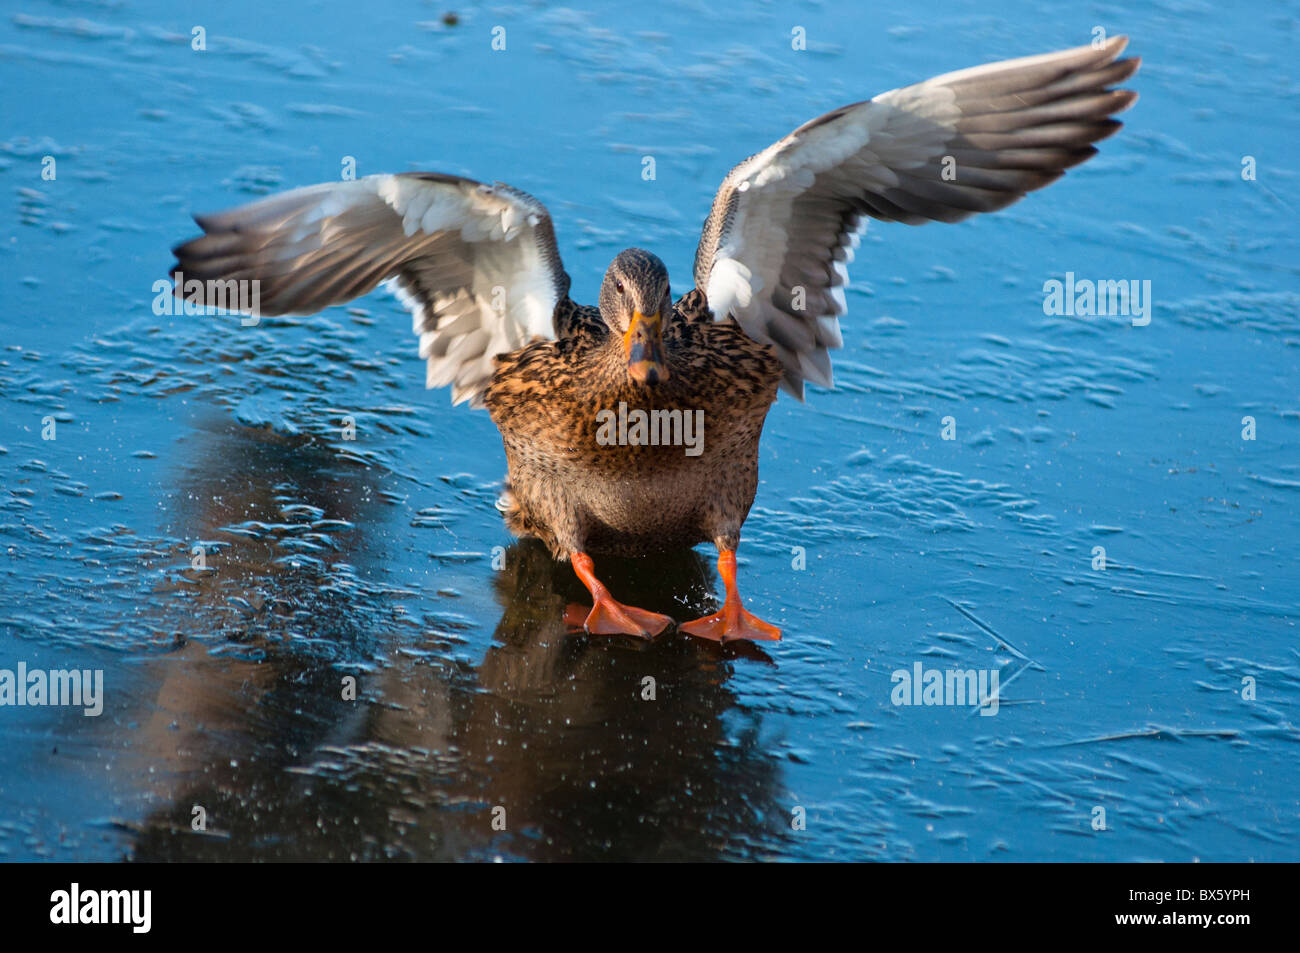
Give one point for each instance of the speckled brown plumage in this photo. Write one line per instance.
(576, 495)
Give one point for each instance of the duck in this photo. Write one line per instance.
(633, 426)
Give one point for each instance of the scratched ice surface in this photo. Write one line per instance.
(1122, 688)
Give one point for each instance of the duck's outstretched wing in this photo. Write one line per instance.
(476, 264)
(785, 222)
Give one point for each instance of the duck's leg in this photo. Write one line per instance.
(731, 621)
(609, 617)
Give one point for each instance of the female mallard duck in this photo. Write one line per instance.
(634, 426)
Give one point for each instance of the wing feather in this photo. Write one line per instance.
(785, 221)
(476, 264)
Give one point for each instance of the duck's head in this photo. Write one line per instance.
(635, 300)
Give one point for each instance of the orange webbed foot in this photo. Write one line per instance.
(614, 618)
(731, 622)
(725, 626)
(608, 616)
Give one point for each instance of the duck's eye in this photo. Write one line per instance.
(618, 286)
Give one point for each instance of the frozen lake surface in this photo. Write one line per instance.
(1163, 690)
